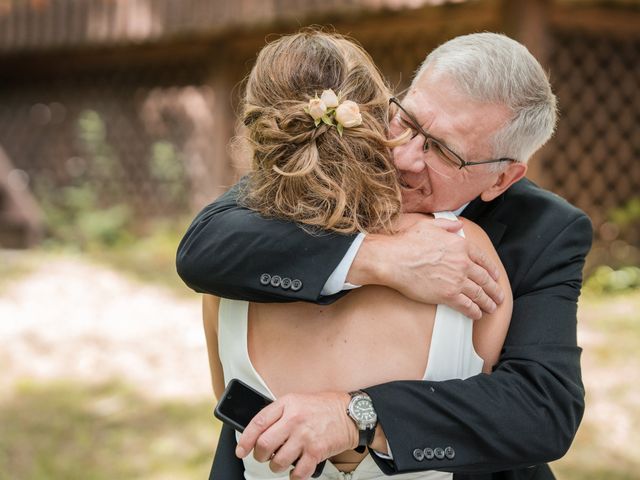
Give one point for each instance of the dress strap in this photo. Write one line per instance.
(451, 354)
(233, 345)
(448, 216)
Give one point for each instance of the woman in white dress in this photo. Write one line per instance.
(317, 116)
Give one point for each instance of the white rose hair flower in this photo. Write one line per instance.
(328, 106)
(329, 98)
(348, 114)
(317, 109)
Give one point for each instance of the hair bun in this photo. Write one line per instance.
(305, 170)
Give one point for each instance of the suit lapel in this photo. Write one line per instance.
(481, 213)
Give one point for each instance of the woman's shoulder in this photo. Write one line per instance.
(475, 233)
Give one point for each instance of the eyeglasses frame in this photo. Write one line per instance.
(416, 126)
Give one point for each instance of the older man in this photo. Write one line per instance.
(479, 107)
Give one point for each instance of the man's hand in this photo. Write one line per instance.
(303, 428)
(426, 261)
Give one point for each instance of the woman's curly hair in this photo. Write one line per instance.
(313, 175)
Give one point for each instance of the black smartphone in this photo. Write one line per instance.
(240, 403)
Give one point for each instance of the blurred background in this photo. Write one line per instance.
(115, 119)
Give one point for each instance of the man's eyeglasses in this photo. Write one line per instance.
(446, 161)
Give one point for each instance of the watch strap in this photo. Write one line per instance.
(365, 438)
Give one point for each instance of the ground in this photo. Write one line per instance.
(72, 319)
(105, 376)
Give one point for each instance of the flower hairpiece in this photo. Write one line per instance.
(329, 107)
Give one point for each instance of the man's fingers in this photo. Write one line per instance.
(478, 256)
(285, 456)
(466, 306)
(449, 225)
(305, 467)
(477, 295)
(491, 288)
(271, 441)
(261, 422)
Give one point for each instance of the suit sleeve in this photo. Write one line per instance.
(226, 466)
(233, 252)
(528, 410)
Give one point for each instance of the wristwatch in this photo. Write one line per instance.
(361, 411)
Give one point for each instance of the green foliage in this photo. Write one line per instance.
(609, 332)
(607, 280)
(105, 227)
(15, 265)
(78, 432)
(91, 132)
(165, 163)
(92, 210)
(151, 257)
(77, 214)
(167, 168)
(619, 248)
(627, 215)
(74, 218)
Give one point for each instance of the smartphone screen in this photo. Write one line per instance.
(239, 404)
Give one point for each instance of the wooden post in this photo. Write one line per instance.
(21, 222)
(528, 22)
(209, 164)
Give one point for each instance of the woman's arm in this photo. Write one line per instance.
(210, 306)
(490, 331)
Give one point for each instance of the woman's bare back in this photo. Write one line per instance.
(370, 336)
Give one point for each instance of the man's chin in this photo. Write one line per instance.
(414, 202)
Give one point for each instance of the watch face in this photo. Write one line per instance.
(363, 412)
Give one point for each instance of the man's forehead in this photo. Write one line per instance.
(413, 100)
(429, 102)
(423, 97)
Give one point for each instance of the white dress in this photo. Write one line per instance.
(451, 356)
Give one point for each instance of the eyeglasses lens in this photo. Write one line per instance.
(439, 159)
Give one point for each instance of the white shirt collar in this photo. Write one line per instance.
(461, 209)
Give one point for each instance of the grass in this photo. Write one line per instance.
(14, 265)
(606, 444)
(150, 259)
(72, 431)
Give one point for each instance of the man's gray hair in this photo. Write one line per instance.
(493, 68)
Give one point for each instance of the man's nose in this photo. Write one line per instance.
(409, 157)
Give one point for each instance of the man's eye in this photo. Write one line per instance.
(444, 154)
(404, 123)
(439, 150)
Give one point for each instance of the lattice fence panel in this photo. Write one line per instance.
(594, 158)
(144, 135)
(128, 135)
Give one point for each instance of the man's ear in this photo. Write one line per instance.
(514, 172)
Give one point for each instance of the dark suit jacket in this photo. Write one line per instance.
(506, 425)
